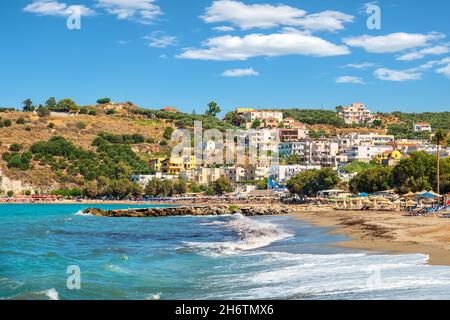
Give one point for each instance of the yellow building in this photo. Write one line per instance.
(189, 163)
(389, 158)
(172, 166)
(244, 110)
(155, 164)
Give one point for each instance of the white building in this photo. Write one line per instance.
(262, 115)
(319, 152)
(144, 179)
(422, 127)
(366, 153)
(236, 173)
(356, 113)
(257, 173)
(283, 173)
(357, 139)
(260, 139)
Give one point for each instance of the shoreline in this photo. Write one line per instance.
(389, 232)
(378, 231)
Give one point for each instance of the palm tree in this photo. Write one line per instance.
(440, 138)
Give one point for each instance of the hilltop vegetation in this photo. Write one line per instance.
(403, 126)
(313, 117)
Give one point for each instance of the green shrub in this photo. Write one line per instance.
(168, 133)
(81, 125)
(84, 110)
(15, 147)
(7, 123)
(21, 120)
(104, 101)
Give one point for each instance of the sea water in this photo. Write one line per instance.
(227, 257)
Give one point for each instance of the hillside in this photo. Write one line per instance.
(81, 130)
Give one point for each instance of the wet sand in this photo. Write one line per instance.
(391, 232)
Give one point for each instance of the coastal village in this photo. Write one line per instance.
(297, 149)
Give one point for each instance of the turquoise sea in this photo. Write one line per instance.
(230, 257)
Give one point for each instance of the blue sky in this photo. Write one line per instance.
(263, 54)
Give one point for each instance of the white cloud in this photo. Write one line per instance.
(248, 16)
(223, 28)
(419, 54)
(240, 73)
(445, 70)
(350, 79)
(391, 43)
(434, 63)
(144, 11)
(397, 75)
(288, 42)
(56, 9)
(158, 39)
(363, 65)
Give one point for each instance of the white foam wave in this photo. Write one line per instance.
(252, 234)
(347, 276)
(153, 296)
(81, 213)
(52, 294)
(116, 269)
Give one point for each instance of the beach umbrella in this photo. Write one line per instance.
(363, 194)
(427, 195)
(410, 203)
(409, 195)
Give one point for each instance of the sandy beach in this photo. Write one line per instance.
(391, 232)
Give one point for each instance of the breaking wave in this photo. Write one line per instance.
(81, 213)
(252, 235)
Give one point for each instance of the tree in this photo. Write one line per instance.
(168, 133)
(372, 180)
(256, 124)
(293, 159)
(310, 182)
(51, 103)
(440, 138)
(28, 105)
(416, 173)
(66, 105)
(221, 186)
(43, 111)
(213, 109)
(233, 118)
(104, 101)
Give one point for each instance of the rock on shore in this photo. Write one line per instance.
(214, 210)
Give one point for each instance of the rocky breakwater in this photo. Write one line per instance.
(210, 210)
